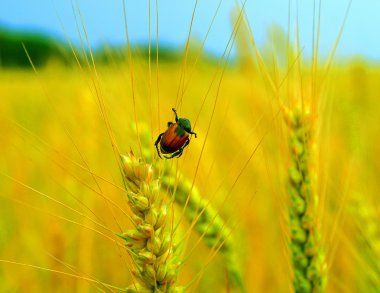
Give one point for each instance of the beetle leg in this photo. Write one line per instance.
(186, 143)
(170, 124)
(176, 154)
(191, 132)
(157, 142)
(176, 116)
(179, 153)
(158, 139)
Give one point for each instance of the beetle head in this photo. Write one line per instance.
(184, 124)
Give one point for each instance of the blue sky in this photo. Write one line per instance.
(104, 21)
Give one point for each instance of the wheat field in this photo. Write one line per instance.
(277, 193)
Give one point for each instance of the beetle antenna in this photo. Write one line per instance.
(176, 116)
(193, 133)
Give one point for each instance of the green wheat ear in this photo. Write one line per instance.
(365, 216)
(307, 254)
(151, 247)
(208, 223)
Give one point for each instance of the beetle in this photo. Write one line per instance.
(172, 142)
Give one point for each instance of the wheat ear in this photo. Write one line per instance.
(307, 254)
(150, 245)
(207, 222)
(365, 215)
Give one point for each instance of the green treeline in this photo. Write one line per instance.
(42, 48)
